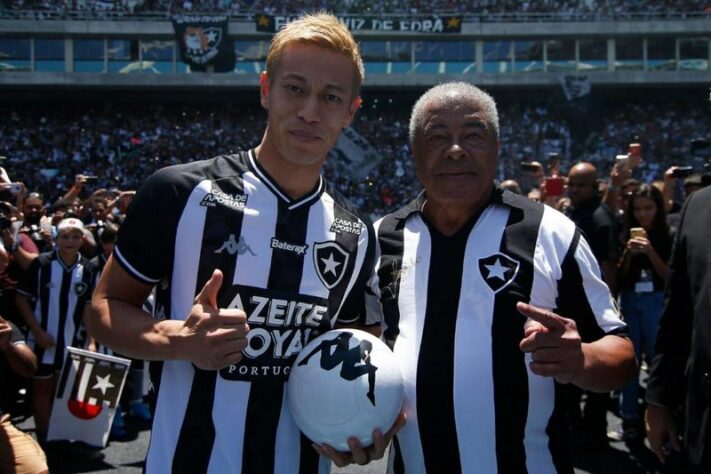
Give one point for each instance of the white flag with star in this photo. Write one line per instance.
(88, 392)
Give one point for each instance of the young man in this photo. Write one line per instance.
(461, 269)
(254, 254)
(51, 298)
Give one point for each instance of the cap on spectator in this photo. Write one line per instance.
(70, 223)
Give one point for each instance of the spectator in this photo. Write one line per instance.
(643, 268)
(53, 277)
(511, 185)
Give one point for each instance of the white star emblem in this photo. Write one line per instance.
(496, 270)
(211, 36)
(331, 264)
(103, 384)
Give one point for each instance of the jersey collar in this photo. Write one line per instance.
(498, 196)
(66, 268)
(291, 204)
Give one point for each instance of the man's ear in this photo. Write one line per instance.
(355, 105)
(264, 90)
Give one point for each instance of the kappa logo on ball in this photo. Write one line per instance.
(498, 270)
(330, 261)
(333, 393)
(354, 362)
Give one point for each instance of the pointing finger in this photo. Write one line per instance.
(548, 319)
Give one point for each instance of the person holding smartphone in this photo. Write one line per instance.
(642, 268)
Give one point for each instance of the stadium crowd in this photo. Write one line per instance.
(46, 147)
(86, 162)
(571, 8)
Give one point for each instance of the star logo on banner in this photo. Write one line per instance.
(103, 384)
(263, 21)
(453, 23)
(496, 270)
(211, 36)
(330, 264)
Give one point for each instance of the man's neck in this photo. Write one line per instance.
(68, 258)
(448, 219)
(293, 179)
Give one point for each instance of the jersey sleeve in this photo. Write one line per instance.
(146, 239)
(354, 307)
(568, 279)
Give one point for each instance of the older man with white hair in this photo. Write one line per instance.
(489, 301)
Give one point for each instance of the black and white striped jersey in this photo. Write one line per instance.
(58, 295)
(448, 310)
(296, 267)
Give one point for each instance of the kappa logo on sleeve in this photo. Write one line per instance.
(330, 261)
(498, 270)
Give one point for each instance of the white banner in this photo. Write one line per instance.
(353, 154)
(88, 392)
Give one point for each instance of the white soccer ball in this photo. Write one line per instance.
(345, 383)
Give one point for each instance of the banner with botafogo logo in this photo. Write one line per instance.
(204, 42)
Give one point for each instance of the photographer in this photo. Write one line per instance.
(35, 224)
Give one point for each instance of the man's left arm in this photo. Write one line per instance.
(584, 343)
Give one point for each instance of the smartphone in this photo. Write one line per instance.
(622, 160)
(90, 178)
(638, 232)
(15, 188)
(682, 172)
(555, 186)
(525, 166)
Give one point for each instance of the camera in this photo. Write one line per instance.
(33, 231)
(682, 172)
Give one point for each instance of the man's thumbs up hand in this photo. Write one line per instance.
(212, 337)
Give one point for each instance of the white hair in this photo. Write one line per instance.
(451, 93)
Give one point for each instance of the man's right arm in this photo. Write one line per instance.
(209, 337)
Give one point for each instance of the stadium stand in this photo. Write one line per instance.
(47, 146)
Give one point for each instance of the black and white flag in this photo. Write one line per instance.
(88, 392)
(203, 41)
(575, 85)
